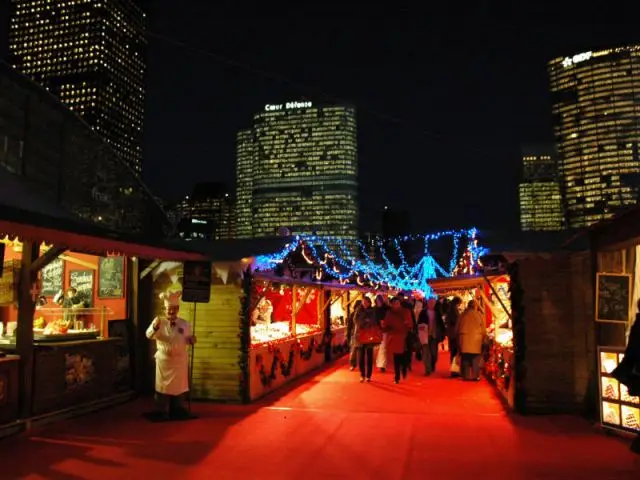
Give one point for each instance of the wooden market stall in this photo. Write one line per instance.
(260, 328)
(615, 257)
(492, 294)
(64, 350)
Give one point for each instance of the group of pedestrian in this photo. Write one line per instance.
(409, 327)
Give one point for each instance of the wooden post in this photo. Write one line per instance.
(294, 294)
(24, 329)
(327, 325)
(132, 303)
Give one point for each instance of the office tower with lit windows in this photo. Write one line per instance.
(208, 213)
(244, 183)
(91, 55)
(541, 207)
(297, 168)
(596, 107)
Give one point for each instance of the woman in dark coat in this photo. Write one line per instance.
(353, 352)
(452, 325)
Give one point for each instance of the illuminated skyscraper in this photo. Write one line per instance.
(541, 206)
(298, 169)
(91, 55)
(208, 213)
(244, 182)
(596, 107)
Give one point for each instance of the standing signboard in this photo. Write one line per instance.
(196, 282)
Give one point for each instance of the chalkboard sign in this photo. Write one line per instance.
(196, 282)
(52, 278)
(613, 297)
(82, 281)
(111, 277)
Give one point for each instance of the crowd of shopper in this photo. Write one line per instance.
(394, 330)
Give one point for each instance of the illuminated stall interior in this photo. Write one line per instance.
(619, 268)
(493, 299)
(284, 310)
(76, 296)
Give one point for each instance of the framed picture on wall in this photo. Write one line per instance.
(111, 277)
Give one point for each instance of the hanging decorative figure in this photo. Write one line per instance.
(173, 337)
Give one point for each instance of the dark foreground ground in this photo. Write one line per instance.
(327, 426)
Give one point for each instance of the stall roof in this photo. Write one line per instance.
(237, 249)
(29, 216)
(500, 241)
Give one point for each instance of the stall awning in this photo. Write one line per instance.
(94, 244)
(450, 284)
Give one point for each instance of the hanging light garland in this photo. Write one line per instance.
(335, 259)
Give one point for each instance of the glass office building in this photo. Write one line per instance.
(91, 55)
(596, 107)
(298, 170)
(208, 213)
(540, 196)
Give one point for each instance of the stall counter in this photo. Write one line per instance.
(9, 386)
(274, 364)
(70, 374)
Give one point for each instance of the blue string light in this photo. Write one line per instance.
(403, 277)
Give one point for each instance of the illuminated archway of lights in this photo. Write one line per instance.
(403, 275)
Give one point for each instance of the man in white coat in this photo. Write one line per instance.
(173, 337)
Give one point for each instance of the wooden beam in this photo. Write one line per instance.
(24, 329)
(77, 261)
(149, 269)
(46, 258)
(304, 300)
(493, 290)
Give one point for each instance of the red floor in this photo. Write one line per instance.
(330, 426)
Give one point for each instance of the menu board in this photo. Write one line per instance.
(111, 277)
(618, 409)
(613, 297)
(82, 281)
(52, 278)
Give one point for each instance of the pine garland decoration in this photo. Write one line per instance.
(245, 334)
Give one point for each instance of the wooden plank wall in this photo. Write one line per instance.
(216, 370)
(559, 326)
(216, 367)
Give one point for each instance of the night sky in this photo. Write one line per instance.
(444, 102)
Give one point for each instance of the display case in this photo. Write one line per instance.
(282, 311)
(618, 409)
(65, 324)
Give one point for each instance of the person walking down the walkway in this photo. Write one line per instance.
(628, 371)
(453, 313)
(353, 351)
(365, 323)
(412, 335)
(380, 310)
(431, 316)
(172, 335)
(472, 331)
(397, 323)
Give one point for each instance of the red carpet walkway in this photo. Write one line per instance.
(329, 427)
